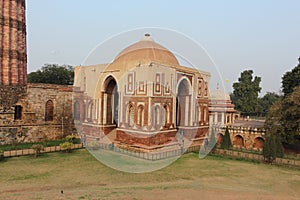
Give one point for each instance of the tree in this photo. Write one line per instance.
(226, 142)
(246, 92)
(272, 147)
(53, 74)
(284, 117)
(265, 102)
(269, 150)
(290, 116)
(290, 80)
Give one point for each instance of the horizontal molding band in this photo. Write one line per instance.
(12, 23)
(13, 54)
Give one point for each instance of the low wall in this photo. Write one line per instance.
(24, 152)
(258, 157)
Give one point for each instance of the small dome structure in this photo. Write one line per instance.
(219, 95)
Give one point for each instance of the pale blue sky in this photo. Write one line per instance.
(263, 35)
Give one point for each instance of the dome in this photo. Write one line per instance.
(219, 94)
(145, 51)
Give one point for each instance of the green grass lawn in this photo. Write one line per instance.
(81, 176)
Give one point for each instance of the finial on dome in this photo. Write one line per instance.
(147, 37)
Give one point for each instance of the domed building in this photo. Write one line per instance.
(144, 98)
(221, 109)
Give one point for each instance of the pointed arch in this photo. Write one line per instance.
(49, 110)
(130, 113)
(140, 116)
(183, 102)
(111, 99)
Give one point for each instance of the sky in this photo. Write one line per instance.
(238, 35)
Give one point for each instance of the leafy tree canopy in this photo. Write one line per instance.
(290, 80)
(53, 74)
(265, 102)
(285, 114)
(245, 93)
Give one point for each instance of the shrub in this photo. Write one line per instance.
(72, 139)
(37, 149)
(66, 146)
(226, 142)
(1, 154)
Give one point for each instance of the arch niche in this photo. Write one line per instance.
(258, 143)
(111, 101)
(182, 103)
(238, 141)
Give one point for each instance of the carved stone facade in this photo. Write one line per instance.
(145, 98)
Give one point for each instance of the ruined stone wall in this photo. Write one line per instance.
(33, 125)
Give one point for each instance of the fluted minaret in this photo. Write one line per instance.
(13, 56)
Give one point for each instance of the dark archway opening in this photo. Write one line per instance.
(112, 101)
(182, 102)
(238, 141)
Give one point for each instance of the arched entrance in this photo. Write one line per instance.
(238, 141)
(182, 103)
(258, 143)
(111, 99)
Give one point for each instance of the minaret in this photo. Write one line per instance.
(13, 56)
(13, 53)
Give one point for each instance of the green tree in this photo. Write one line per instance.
(226, 142)
(284, 117)
(265, 102)
(290, 116)
(245, 93)
(278, 145)
(272, 147)
(290, 80)
(269, 150)
(53, 74)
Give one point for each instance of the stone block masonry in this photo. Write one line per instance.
(36, 121)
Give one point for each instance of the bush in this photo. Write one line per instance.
(37, 149)
(226, 142)
(1, 154)
(66, 146)
(72, 139)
